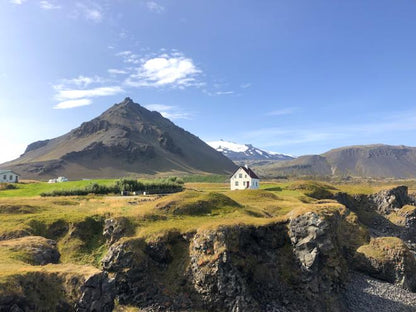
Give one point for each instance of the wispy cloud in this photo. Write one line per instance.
(17, 1)
(80, 81)
(245, 85)
(342, 133)
(155, 7)
(174, 70)
(49, 5)
(114, 71)
(92, 11)
(283, 111)
(167, 111)
(87, 93)
(224, 92)
(72, 103)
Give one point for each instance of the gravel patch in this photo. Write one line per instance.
(366, 294)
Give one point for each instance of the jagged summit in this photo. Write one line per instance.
(246, 152)
(125, 139)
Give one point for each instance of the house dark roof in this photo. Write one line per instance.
(250, 172)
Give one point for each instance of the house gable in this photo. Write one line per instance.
(244, 178)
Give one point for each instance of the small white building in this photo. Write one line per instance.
(61, 179)
(244, 178)
(8, 176)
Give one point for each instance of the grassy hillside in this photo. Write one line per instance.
(76, 223)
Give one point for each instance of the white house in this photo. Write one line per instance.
(8, 176)
(244, 178)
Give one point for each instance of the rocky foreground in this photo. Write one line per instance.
(354, 256)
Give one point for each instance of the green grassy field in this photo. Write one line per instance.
(36, 188)
(200, 205)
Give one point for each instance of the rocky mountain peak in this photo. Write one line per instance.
(126, 139)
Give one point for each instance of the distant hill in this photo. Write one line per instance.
(240, 153)
(377, 161)
(127, 139)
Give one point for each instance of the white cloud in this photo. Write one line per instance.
(72, 103)
(224, 92)
(124, 53)
(17, 1)
(245, 85)
(92, 12)
(114, 71)
(158, 107)
(72, 94)
(165, 70)
(172, 115)
(283, 111)
(80, 81)
(155, 7)
(48, 5)
(167, 111)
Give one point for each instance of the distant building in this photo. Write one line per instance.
(58, 180)
(8, 176)
(244, 178)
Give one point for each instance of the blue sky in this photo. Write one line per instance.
(294, 76)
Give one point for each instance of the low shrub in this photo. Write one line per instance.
(123, 185)
(7, 186)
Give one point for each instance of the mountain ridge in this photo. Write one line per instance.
(373, 160)
(126, 139)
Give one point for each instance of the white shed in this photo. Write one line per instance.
(8, 176)
(244, 178)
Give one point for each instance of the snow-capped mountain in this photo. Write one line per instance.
(242, 152)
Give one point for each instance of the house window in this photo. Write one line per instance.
(11, 178)
(245, 176)
(236, 183)
(241, 175)
(5, 177)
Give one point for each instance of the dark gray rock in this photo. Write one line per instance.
(316, 246)
(97, 294)
(116, 228)
(388, 200)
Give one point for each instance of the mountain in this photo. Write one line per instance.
(127, 139)
(246, 152)
(377, 161)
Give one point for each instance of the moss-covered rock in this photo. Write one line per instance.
(35, 250)
(389, 259)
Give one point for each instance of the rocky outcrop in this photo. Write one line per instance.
(116, 228)
(374, 210)
(71, 289)
(388, 259)
(388, 200)
(316, 246)
(97, 294)
(232, 268)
